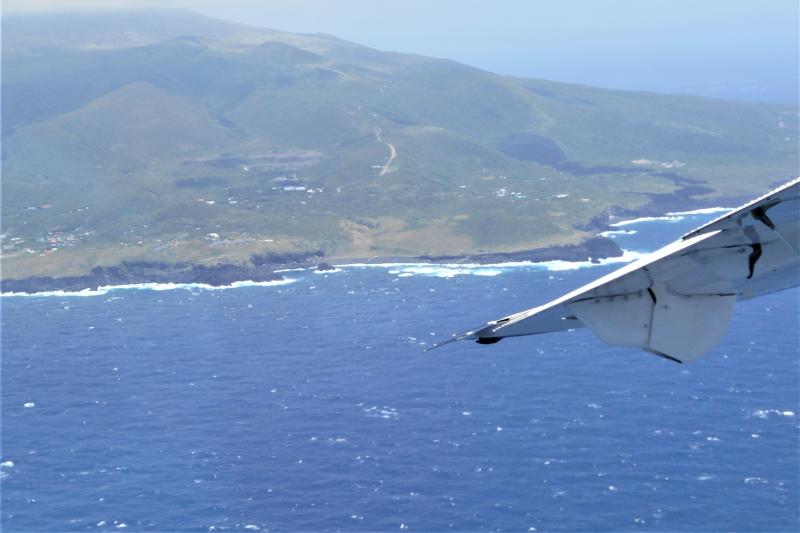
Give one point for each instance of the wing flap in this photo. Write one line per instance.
(621, 321)
(686, 327)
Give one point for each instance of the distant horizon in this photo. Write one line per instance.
(714, 49)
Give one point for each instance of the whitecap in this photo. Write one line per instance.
(672, 216)
(703, 211)
(445, 271)
(764, 413)
(7, 464)
(84, 292)
(450, 270)
(611, 233)
(558, 265)
(381, 412)
(105, 289)
(379, 265)
(667, 218)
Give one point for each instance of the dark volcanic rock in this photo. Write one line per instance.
(325, 267)
(131, 272)
(287, 260)
(260, 268)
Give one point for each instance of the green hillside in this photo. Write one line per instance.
(168, 135)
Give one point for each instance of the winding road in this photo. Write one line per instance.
(385, 169)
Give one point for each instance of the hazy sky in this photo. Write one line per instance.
(736, 49)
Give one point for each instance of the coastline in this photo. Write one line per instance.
(268, 269)
(593, 249)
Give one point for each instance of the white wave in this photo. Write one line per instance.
(381, 412)
(618, 232)
(379, 265)
(667, 218)
(626, 257)
(105, 289)
(704, 211)
(450, 270)
(446, 271)
(84, 292)
(764, 413)
(673, 216)
(487, 272)
(402, 267)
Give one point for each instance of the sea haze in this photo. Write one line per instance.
(310, 405)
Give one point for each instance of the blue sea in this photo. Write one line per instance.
(311, 405)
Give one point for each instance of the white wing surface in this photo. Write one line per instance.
(677, 301)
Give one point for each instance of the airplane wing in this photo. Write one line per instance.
(677, 301)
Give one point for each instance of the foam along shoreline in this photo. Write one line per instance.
(449, 270)
(618, 232)
(102, 290)
(267, 268)
(401, 269)
(704, 211)
(672, 216)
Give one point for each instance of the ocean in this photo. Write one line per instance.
(311, 405)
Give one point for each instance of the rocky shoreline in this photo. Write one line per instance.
(592, 249)
(259, 269)
(267, 267)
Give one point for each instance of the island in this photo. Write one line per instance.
(211, 145)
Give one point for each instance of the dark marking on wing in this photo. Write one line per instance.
(755, 255)
(652, 295)
(760, 214)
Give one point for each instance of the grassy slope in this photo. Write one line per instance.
(130, 143)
